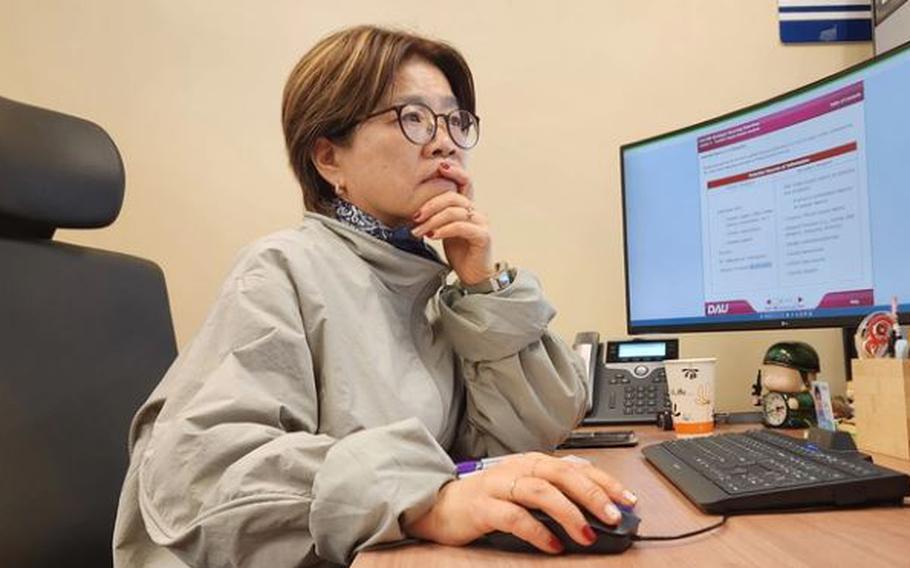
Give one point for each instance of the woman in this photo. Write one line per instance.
(319, 409)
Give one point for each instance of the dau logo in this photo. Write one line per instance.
(714, 309)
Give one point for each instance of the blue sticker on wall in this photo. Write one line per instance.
(804, 21)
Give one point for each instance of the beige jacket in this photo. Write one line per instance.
(317, 409)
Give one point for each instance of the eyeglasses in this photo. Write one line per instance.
(418, 124)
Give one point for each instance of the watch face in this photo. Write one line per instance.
(775, 409)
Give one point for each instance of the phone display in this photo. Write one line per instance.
(609, 439)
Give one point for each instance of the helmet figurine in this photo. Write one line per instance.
(789, 366)
(787, 370)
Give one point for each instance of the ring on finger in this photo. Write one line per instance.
(470, 211)
(512, 489)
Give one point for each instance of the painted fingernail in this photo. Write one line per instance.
(417, 216)
(588, 533)
(445, 165)
(430, 234)
(630, 497)
(612, 512)
(556, 545)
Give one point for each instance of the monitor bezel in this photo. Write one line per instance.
(756, 325)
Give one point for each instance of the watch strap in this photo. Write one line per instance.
(501, 277)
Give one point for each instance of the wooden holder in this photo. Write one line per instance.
(881, 403)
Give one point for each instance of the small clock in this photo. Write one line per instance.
(788, 410)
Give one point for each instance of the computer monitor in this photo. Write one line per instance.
(789, 213)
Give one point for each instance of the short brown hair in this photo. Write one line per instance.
(343, 78)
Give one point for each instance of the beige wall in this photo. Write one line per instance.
(190, 92)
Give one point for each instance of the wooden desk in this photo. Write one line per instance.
(871, 537)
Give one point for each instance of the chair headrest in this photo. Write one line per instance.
(56, 171)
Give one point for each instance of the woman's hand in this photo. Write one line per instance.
(498, 499)
(464, 231)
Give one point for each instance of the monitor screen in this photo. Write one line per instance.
(793, 212)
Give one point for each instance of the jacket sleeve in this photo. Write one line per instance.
(525, 387)
(234, 472)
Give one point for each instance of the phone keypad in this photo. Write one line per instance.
(642, 398)
(629, 394)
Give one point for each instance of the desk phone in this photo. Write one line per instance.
(626, 379)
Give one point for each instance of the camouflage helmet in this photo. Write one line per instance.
(795, 355)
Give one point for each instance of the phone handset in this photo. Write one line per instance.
(585, 345)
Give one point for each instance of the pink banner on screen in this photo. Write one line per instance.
(847, 299)
(731, 307)
(837, 100)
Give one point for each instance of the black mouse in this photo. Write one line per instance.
(610, 539)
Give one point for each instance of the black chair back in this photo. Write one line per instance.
(85, 335)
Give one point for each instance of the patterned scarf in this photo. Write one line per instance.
(400, 238)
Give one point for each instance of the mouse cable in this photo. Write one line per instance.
(903, 504)
(683, 535)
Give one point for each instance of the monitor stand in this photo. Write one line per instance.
(828, 440)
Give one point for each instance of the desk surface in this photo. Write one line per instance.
(875, 537)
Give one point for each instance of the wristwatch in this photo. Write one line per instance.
(501, 278)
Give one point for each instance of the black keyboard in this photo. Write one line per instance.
(763, 470)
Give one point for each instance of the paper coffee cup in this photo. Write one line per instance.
(691, 386)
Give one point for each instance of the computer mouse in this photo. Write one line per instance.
(610, 539)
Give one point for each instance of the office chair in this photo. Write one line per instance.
(85, 335)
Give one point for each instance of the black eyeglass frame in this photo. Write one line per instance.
(436, 115)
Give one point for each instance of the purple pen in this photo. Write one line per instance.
(467, 467)
(464, 467)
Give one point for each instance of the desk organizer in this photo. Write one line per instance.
(881, 400)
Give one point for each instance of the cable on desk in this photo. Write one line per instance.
(683, 535)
